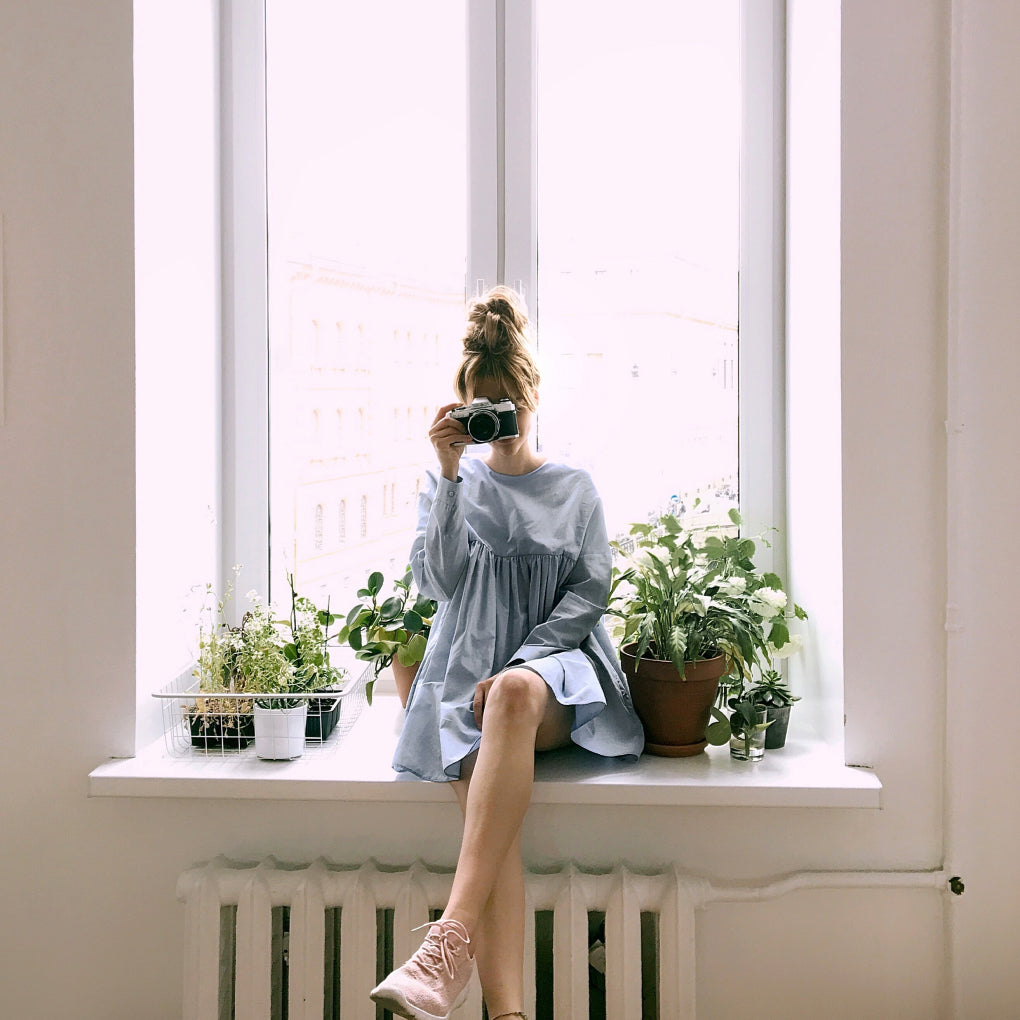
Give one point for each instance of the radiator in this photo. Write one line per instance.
(273, 942)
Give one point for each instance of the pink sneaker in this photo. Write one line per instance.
(433, 983)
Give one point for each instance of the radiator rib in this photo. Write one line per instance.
(254, 941)
(623, 949)
(307, 942)
(570, 949)
(357, 946)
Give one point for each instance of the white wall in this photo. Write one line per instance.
(983, 816)
(89, 923)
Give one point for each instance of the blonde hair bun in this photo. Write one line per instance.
(497, 348)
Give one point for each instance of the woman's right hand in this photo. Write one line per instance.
(444, 434)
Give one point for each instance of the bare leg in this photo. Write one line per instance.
(498, 939)
(521, 715)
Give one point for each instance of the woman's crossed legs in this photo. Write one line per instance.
(520, 716)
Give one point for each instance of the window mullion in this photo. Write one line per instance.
(244, 380)
(762, 304)
(519, 134)
(483, 154)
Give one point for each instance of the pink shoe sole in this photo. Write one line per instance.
(394, 1001)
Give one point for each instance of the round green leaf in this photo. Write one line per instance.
(416, 648)
(391, 609)
(718, 733)
(413, 622)
(375, 583)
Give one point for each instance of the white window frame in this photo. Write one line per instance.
(244, 225)
(502, 247)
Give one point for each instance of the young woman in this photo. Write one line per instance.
(514, 548)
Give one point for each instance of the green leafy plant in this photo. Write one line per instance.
(689, 595)
(743, 723)
(305, 649)
(396, 627)
(744, 700)
(308, 647)
(263, 655)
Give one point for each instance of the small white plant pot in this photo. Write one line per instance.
(280, 732)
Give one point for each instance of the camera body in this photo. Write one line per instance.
(486, 421)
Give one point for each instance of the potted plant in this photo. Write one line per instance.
(769, 695)
(393, 632)
(308, 652)
(261, 657)
(748, 724)
(265, 669)
(296, 664)
(692, 609)
(219, 720)
(773, 694)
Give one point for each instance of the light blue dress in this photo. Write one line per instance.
(520, 566)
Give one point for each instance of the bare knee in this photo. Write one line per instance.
(518, 694)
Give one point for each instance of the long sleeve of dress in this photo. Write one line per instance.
(439, 555)
(583, 597)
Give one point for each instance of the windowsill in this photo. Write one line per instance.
(806, 773)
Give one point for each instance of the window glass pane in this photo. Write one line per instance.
(638, 148)
(366, 155)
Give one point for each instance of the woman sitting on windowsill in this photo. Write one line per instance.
(514, 548)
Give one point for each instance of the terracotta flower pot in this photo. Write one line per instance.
(403, 676)
(674, 710)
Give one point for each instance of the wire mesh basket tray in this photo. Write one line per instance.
(197, 723)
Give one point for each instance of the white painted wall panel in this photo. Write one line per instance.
(983, 813)
(833, 954)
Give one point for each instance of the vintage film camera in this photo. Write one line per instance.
(486, 421)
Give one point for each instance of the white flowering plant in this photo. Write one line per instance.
(217, 666)
(688, 595)
(263, 655)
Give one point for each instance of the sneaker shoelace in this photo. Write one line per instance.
(437, 949)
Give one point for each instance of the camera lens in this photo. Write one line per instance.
(483, 426)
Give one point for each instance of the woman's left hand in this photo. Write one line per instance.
(481, 693)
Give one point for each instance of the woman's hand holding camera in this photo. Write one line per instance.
(447, 436)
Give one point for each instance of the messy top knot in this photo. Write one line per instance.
(497, 349)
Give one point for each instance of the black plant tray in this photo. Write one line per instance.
(221, 732)
(323, 715)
